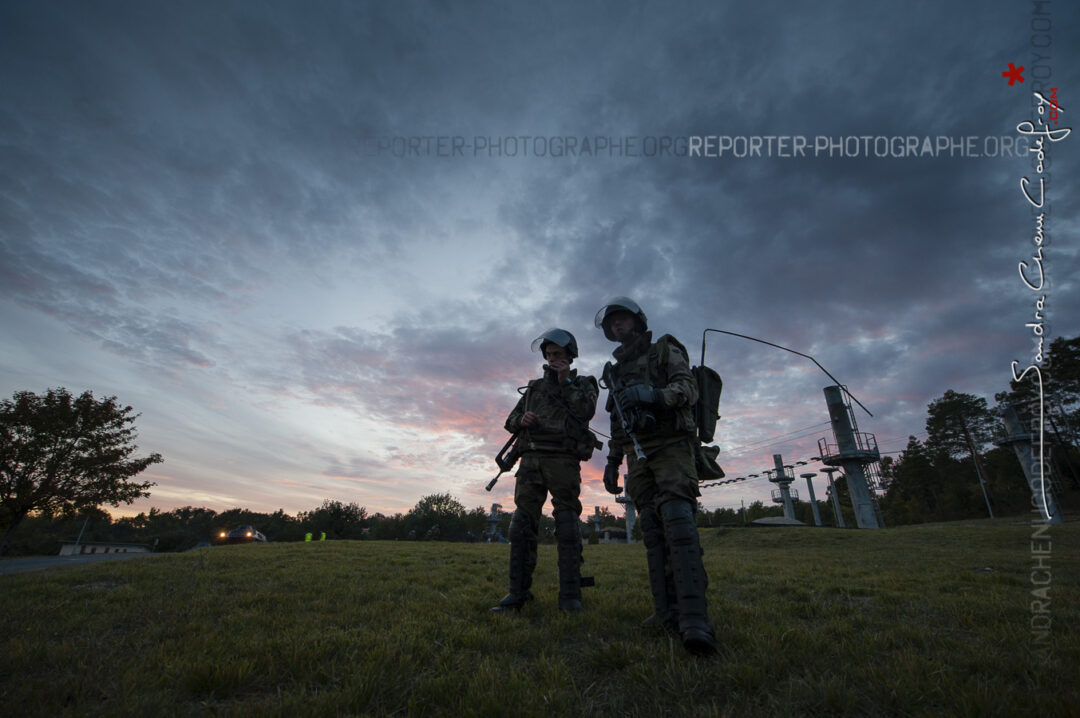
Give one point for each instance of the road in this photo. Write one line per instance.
(36, 563)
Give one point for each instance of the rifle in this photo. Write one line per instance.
(627, 426)
(505, 461)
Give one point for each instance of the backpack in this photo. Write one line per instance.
(707, 408)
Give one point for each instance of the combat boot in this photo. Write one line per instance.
(522, 562)
(684, 550)
(665, 604)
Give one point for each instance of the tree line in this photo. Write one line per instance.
(62, 457)
(963, 470)
(434, 517)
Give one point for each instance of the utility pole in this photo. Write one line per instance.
(77, 540)
(978, 465)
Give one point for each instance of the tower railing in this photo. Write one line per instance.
(778, 495)
(865, 448)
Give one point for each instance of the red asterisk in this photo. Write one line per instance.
(1014, 73)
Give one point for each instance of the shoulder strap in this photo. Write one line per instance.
(578, 381)
(528, 392)
(658, 353)
(667, 340)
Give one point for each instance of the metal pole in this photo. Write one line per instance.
(81, 533)
(835, 499)
(813, 500)
(978, 465)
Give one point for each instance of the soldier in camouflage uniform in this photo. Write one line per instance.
(657, 392)
(553, 417)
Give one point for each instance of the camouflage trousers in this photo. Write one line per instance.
(539, 474)
(668, 472)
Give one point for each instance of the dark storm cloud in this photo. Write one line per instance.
(814, 252)
(165, 152)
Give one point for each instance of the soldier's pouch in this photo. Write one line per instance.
(705, 462)
(585, 446)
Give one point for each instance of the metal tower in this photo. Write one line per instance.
(855, 451)
(631, 515)
(1035, 467)
(493, 519)
(782, 477)
(597, 521)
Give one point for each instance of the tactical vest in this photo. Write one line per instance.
(543, 395)
(650, 368)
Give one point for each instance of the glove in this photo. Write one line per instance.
(611, 477)
(639, 395)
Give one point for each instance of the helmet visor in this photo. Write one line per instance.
(618, 304)
(557, 336)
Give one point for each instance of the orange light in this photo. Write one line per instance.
(249, 534)
(222, 534)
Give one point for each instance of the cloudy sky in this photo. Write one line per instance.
(239, 218)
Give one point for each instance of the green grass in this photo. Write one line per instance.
(918, 621)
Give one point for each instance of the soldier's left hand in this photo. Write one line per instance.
(639, 395)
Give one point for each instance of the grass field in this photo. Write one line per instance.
(920, 621)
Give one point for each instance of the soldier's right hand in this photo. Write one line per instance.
(611, 478)
(529, 419)
(639, 395)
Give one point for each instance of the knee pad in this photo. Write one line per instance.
(567, 527)
(522, 527)
(679, 526)
(652, 530)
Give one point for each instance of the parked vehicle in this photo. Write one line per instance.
(240, 534)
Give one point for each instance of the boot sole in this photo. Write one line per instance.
(700, 645)
(506, 609)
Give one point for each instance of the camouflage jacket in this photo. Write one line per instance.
(664, 365)
(564, 412)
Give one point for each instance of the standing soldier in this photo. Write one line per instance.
(552, 420)
(652, 387)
